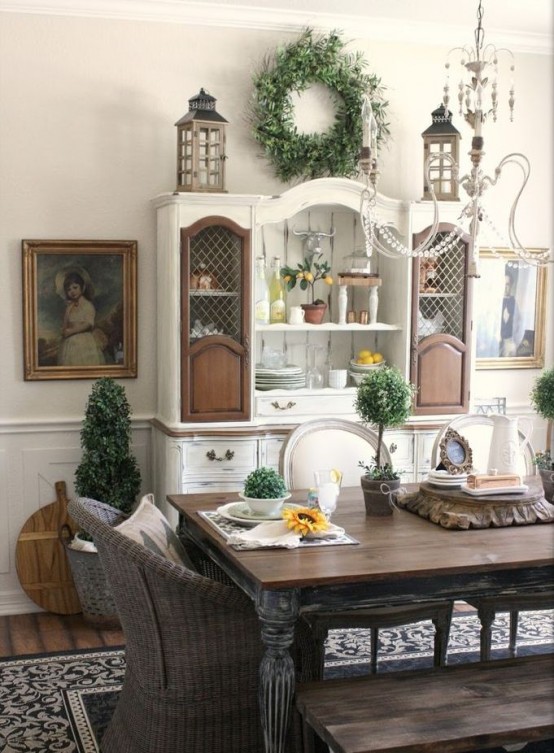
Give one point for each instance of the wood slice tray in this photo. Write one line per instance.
(456, 510)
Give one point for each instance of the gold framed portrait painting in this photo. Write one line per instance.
(510, 311)
(79, 309)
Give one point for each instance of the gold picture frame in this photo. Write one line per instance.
(79, 309)
(510, 314)
(456, 456)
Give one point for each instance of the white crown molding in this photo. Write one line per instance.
(275, 19)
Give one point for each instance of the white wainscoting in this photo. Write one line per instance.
(32, 458)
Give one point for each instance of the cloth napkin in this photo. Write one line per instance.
(277, 534)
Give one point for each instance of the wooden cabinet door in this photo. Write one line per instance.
(441, 327)
(215, 321)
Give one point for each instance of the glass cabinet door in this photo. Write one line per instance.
(215, 321)
(441, 328)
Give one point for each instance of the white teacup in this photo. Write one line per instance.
(338, 378)
(296, 315)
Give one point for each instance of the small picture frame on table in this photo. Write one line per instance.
(79, 309)
(455, 453)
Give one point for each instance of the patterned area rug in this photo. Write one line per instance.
(62, 703)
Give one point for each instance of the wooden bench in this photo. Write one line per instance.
(444, 710)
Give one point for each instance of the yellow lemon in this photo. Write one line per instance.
(308, 276)
(328, 279)
(299, 275)
(364, 353)
(367, 360)
(377, 358)
(336, 476)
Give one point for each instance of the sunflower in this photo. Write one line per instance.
(305, 520)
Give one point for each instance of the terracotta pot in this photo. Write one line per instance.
(377, 496)
(314, 312)
(547, 478)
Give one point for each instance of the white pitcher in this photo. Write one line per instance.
(506, 443)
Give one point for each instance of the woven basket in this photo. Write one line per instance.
(94, 593)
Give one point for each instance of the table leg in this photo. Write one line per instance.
(278, 612)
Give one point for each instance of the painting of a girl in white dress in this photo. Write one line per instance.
(79, 345)
(80, 309)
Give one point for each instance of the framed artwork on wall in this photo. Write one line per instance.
(79, 309)
(510, 312)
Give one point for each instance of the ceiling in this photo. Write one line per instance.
(523, 25)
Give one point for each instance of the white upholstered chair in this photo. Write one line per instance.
(337, 443)
(477, 428)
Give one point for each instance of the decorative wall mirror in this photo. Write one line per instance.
(455, 453)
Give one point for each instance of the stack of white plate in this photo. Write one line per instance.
(445, 480)
(359, 370)
(287, 378)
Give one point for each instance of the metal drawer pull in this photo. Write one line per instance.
(288, 406)
(393, 448)
(229, 455)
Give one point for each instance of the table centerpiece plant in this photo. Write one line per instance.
(383, 400)
(542, 400)
(265, 491)
(306, 274)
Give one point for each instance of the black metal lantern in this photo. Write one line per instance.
(201, 146)
(441, 138)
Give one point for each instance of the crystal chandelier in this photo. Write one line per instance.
(478, 101)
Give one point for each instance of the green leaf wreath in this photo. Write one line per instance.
(294, 67)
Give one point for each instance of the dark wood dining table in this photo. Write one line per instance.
(399, 559)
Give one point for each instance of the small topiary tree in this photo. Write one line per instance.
(383, 399)
(108, 471)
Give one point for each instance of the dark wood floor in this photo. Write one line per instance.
(41, 632)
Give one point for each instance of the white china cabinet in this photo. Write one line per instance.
(211, 429)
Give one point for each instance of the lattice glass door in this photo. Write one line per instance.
(215, 321)
(215, 297)
(441, 328)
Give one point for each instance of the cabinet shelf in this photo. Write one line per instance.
(212, 293)
(328, 327)
(439, 295)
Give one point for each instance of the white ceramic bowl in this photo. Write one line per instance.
(264, 506)
(357, 377)
(364, 367)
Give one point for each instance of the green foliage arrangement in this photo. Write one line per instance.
(265, 483)
(542, 400)
(544, 461)
(108, 471)
(306, 274)
(542, 394)
(294, 68)
(384, 399)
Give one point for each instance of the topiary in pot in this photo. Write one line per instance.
(383, 399)
(265, 491)
(108, 471)
(542, 400)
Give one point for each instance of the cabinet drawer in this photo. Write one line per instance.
(291, 404)
(401, 447)
(219, 455)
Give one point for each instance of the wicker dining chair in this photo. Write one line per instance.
(338, 443)
(193, 650)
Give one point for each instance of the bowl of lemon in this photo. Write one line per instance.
(365, 361)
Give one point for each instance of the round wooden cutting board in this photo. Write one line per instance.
(41, 561)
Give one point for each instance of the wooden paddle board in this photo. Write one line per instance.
(41, 560)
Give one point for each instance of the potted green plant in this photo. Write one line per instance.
(542, 400)
(265, 491)
(383, 400)
(306, 274)
(108, 472)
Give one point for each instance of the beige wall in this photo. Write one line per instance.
(87, 139)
